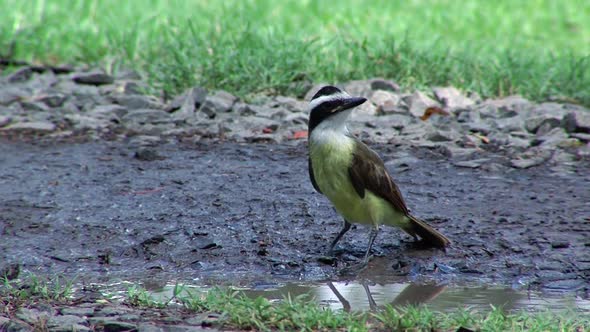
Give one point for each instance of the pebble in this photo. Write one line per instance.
(93, 78)
(40, 102)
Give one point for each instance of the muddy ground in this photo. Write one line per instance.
(247, 214)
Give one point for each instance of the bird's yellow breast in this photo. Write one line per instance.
(331, 158)
(330, 162)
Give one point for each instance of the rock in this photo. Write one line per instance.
(532, 157)
(32, 316)
(144, 140)
(37, 127)
(93, 78)
(218, 102)
(77, 311)
(577, 121)
(148, 154)
(508, 125)
(10, 94)
(53, 100)
(33, 106)
(358, 88)
(385, 85)
(67, 323)
(550, 138)
(565, 285)
(503, 108)
(83, 122)
(585, 138)
(4, 120)
(144, 116)
(476, 163)
(116, 326)
(20, 75)
(15, 325)
(418, 102)
(442, 136)
(386, 102)
(133, 102)
(290, 104)
(111, 112)
(550, 121)
(189, 101)
(451, 97)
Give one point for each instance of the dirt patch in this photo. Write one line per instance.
(247, 213)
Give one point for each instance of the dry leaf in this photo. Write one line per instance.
(433, 110)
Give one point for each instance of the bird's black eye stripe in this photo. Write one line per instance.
(327, 106)
(326, 91)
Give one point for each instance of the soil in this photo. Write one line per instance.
(248, 214)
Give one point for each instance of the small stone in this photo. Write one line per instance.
(219, 102)
(133, 102)
(116, 326)
(53, 100)
(560, 244)
(504, 108)
(10, 94)
(385, 85)
(418, 102)
(111, 112)
(565, 285)
(442, 136)
(191, 100)
(37, 127)
(4, 120)
(580, 136)
(386, 102)
(577, 121)
(549, 121)
(358, 88)
(147, 116)
(20, 75)
(476, 163)
(77, 311)
(451, 97)
(67, 323)
(93, 78)
(291, 104)
(32, 316)
(532, 157)
(33, 106)
(83, 122)
(144, 140)
(148, 154)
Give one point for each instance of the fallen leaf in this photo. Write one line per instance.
(433, 110)
(299, 134)
(267, 130)
(483, 138)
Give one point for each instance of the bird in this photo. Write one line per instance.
(353, 177)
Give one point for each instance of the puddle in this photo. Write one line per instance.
(355, 296)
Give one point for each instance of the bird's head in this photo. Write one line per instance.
(330, 107)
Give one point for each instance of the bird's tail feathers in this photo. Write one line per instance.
(428, 234)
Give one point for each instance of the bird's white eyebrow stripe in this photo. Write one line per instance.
(320, 100)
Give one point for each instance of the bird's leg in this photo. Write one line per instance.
(372, 236)
(345, 228)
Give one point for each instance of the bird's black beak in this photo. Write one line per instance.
(351, 102)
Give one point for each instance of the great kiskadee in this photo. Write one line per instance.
(352, 176)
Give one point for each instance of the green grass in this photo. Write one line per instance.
(236, 310)
(33, 289)
(539, 48)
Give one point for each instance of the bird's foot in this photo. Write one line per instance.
(355, 269)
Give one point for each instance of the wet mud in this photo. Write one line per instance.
(247, 214)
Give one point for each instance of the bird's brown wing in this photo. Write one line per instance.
(367, 172)
(312, 177)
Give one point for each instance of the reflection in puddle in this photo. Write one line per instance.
(355, 296)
